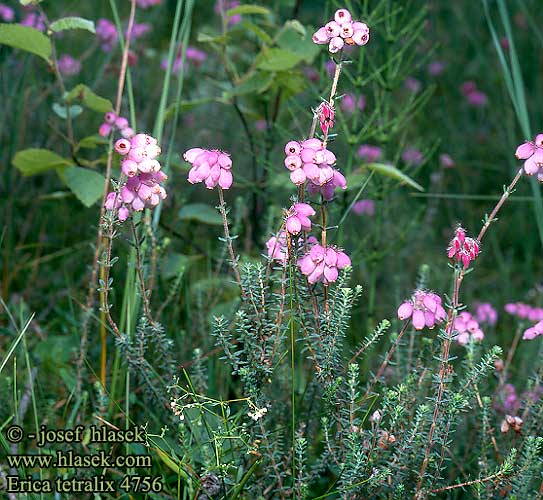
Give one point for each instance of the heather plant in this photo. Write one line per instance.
(345, 337)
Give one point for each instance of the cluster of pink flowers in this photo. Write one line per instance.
(68, 65)
(412, 84)
(485, 313)
(507, 399)
(425, 309)
(533, 332)
(114, 122)
(369, 153)
(196, 56)
(276, 246)
(342, 30)
(466, 327)
(213, 167)
(138, 30)
(532, 152)
(436, 68)
(327, 190)
(34, 20)
(7, 14)
(524, 311)
(446, 161)
(474, 96)
(462, 248)
(143, 187)
(323, 264)
(309, 160)
(364, 207)
(297, 218)
(106, 32)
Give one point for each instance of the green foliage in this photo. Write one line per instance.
(36, 161)
(27, 39)
(72, 23)
(86, 184)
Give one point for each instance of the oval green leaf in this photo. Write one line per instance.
(27, 39)
(73, 23)
(35, 161)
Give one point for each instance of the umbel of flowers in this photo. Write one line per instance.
(113, 122)
(144, 177)
(341, 31)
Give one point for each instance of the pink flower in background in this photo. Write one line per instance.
(485, 313)
(196, 56)
(139, 30)
(477, 99)
(466, 327)
(34, 20)
(145, 4)
(330, 67)
(211, 166)
(349, 103)
(113, 122)
(326, 115)
(261, 125)
(412, 156)
(507, 400)
(106, 32)
(425, 309)
(467, 87)
(436, 68)
(297, 218)
(364, 207)
(369, 153)
(222, 6)
(277, 247)
(323, 264)
(462, 248)
(533, 332)
(311, 74)
(341, 31)
(327, 190)
(504, 42)
(524, 311)
(309, 160)
(446, 161)
(7, 14)
(532, 153)
(413, 85)
(68, 65)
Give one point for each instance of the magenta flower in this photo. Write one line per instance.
(323, 264)
(34, 20)
(326, 115)
(524, 311)
(425, 309)
(477, 99)
(364, 207)
(139, 30)
(297, 218)
(213, 167)
(369, 153)
(508, 400)
(485, 313)
(342, 31)
(330, 67)
(106, 32)
(68, 66)
(277, 247)
(468, 87)
(467, 328)
(309, 160)
(446, 161)
(144, 190)
(462, 248)
(349, 103)
(412, 156)
(532, 152)
(436, 68)
(7, 14)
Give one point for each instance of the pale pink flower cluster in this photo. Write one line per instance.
(276, 246)
(309, 160)
(323, 264)
(34, 20)
(473, 95)
(524, 311)
(412, 156)
(462, 248)
(327, 190)
(349, 103)
(222, 6)
(485, 313)
(213, 167)
(342, 30)
(364, 207)
(425, 309)
(143, 187)
(446, 161)
(532, 152)
(113, 122)
(297, 218)
(145, 4)
(466, 327)
(533, 332)
(196, 56)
